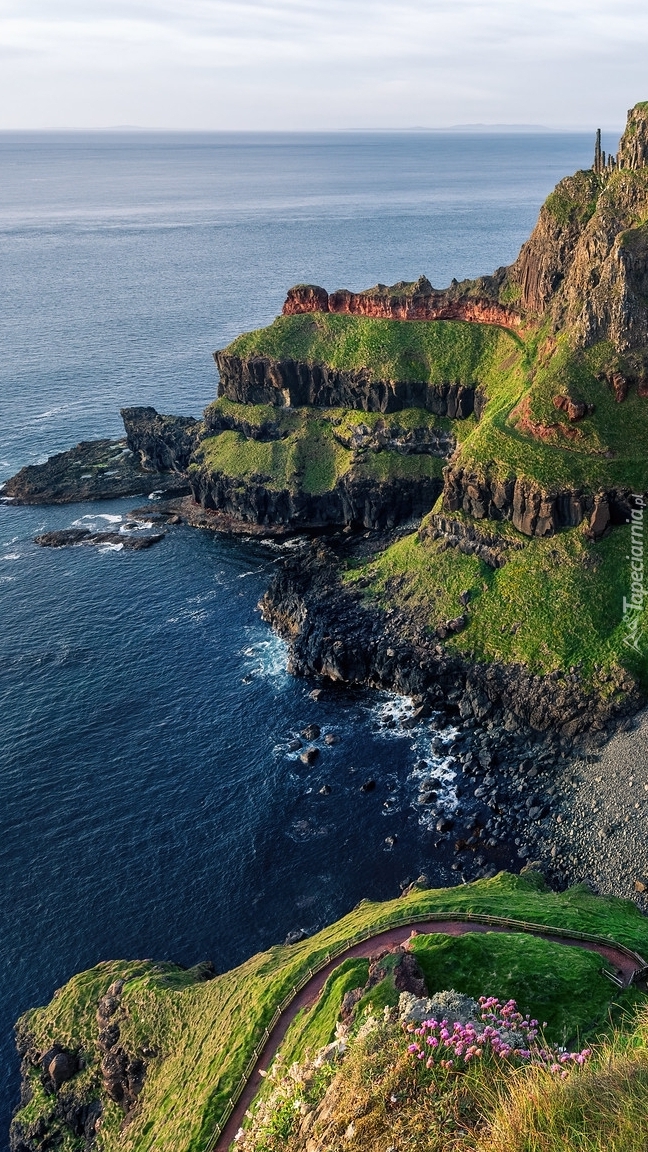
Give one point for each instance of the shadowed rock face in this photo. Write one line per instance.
(163, 443)
(530, 509)
(586, 261)
(474, 301)
(360, 502)
(296, 384)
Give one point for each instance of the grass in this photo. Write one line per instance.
(435, 352)
(313, 1028)
(556, 603)
(312, 456)
(381, 1097)
(574, 199)
(602, 1109)
(206, 1031)
(554, 983)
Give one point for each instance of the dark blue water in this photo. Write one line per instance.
(148, 803)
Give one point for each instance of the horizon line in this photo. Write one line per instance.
(479, 127)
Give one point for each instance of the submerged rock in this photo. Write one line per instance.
(68, 537)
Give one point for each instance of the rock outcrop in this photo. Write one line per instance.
(473, 300)
(532, 510)
(94, 470)
(332, 634)
(360, 502)
(586, 262)
(162, 443)
(122, 1075)
(295, 384)
(70, 537)
(470, 539)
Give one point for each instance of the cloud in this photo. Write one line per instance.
(307, 63)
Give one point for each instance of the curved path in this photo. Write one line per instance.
(623, 963)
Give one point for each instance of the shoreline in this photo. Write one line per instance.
(528, 747)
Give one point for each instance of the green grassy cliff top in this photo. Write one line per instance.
(202, 1033)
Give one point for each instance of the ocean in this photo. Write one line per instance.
(150, 805)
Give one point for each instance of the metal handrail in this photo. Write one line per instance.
(401, 922)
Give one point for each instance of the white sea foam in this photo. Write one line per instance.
(12, 556)
(91, 518)
(266, 656)
(110, 548)
(51, 412)
(439, 765)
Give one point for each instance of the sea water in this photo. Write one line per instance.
(150, 805)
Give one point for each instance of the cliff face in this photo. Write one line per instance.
(532, 510)
(295, 383)
(473, 300)
(360, 502)
(163, 443)
(586, 262)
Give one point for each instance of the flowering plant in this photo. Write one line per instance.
(502, 1033)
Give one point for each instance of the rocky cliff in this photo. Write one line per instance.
(532, 510)
(294, 383)
(473, 300)
(586, 262)
(359, 502)
(331, 633)
(162, 443)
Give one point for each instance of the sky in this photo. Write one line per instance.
(320, 64)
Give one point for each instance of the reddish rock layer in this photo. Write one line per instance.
(413, 302)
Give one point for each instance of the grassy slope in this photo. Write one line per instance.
(311, 457)
(313, 1028)
(381, 1097)
(206, 1031)
(553, 983)
(556, 603)
(394, 350)
(595, 452)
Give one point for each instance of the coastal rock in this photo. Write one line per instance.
(61, 1068)
(475, 301)
(332, 633)
(94, 470)
(355, 501)
(295, 936)
(295, 384)
(69, 537)
(531, 510)
(162, 443)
